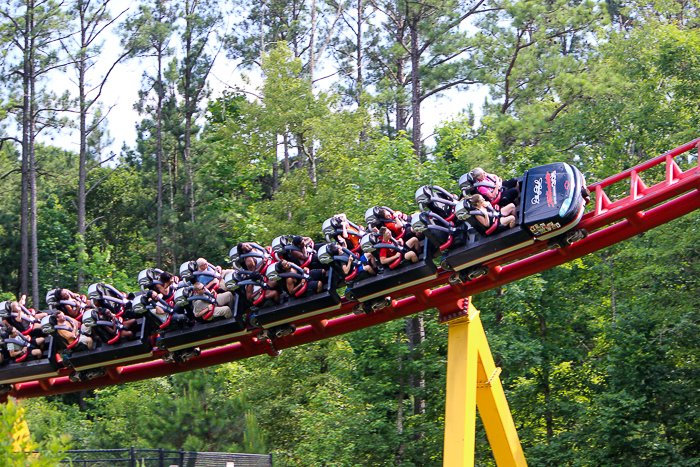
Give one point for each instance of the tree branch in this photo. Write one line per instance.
(93, 221)
(8, 138)
(101, 180)
(570, 147)
(446, 86)
(102, 162)
(556, 112)
(9, 173)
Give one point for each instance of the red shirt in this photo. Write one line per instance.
(395, 229)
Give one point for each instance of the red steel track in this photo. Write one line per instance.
(610, 222)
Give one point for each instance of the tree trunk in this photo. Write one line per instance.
(399, 416)
(286, 153)
(275, 168)
(613, 301)
(26, 110)
(186, 155)
(415, 90)
(159, 155)
(188, 106)
(546, 389)
(173, 243)
(312, 58)
(312, 161)
(82, 170)
(358, 46)
(419, 380)
(32, 200)
(400, 110)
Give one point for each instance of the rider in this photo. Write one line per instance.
(70, 303)
(255, 256)
(339, 229)
(178, 315)
(388, 255)
(488, 215)
(222, 309)
(17, 344)
(494, 189)
(125, 329)
(209, 275)
(369, 266)
(77, 331)
(24, 319)
(294, 281)
(167, 286)
(396, 221)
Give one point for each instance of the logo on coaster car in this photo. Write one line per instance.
(538, 191)
(542, 228)
(551, 180)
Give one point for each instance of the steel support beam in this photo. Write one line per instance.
(473, 381)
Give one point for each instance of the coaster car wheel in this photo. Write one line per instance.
(475, 272)
(94, 373)
(380, 303)
(350, 295)
(187, 354)
(284, 330)
(5, 388)
(264, 335)
(566, 239)
(468, 275)
(444, 264)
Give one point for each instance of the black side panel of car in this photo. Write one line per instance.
(296, 307)
(47, 366)
(391, 278)
(191, 337)
(107, 354)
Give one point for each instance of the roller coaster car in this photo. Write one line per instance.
(30, 369)
(552, 203)
(292, 309)
(105, 354)
(205, 332)
(389, 280)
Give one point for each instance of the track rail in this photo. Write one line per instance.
(610, 222)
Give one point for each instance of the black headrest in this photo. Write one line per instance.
(239, 248)
(57, 295)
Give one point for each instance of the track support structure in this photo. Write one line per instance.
(473, 381)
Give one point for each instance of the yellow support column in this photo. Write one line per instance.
(460, 406)
(472, 380)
